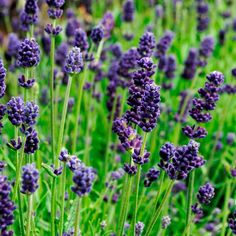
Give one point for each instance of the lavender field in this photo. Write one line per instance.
(117, 118)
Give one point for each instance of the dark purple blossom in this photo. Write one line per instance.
(97, 34)
(31, 142)
(74, 61)
(73, 162)
(146, 44)
(30, 113)
(28, 53)
(15, 110)
(81, 40)
(128, 11)
(30, 176)
(130, 169)
(205, 194)
(15, 144)
(190, 65)
(164, 44)
(7, 207)
(83, 180)
(2, 79)
(25, 83)
(49, 29)
(108, 24)
(194, 132)
(151, 176)
(139, 227)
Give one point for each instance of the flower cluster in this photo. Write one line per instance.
(7, 207)
(108, 24)
(177, 162)
(2, 79)
(190, 64)
(128, 11)
(164, 44)
(29, 15)
(151, 176)
(209, 95)
(97, 34)
(55, 10)
(205, 51)
(144, 97)
(139, 227)
(24, 115)
(30, 176)
(146, 44)
(74, 61)
(28, 53)
(81, 40)
(202, 15)
(205, 194)
(232, 222)
(83, 180)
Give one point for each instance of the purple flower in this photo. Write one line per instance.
(159, 11)
(202, 16)
(108, 24)
(81, 40)
(30, 114)
(184, 159)
(165, 222)
(28, 53)
(7, 206)
(49, 29)
(73, 162)
(13, 44)
(83, 180)
(205, 194)
(232, 222)
(230, 138)
(72, 25)
(139, 228)
(64, 156)
(128, 11)
(151, 176)
(164, 44)
(194, 132)
(46, 44)
(206, 49)
(97, 34)
(146, 44)
(74, 61)
(190, 64)
(61, 53)
(130, 169)
(31, 143)
(2, 79)
(15, 144)
(54, 10)
(15, 110)
(30, 176)
(25, 83)
(3, 110)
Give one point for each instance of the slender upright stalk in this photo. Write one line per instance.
(78, 106)
(53, 206)
(64, 112)
(136, 189)
(77, 213)
(159, 209)
(225, 210)
(62, 200)
(189, 201)
(124, 205)
(29, 214)
(52, 100)
(109, 136)
(20, 212)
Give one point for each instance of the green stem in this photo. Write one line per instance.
(77, 213)
(109, 136)
(64, 112)
(20, 212)
(225, 210)
(160, 190)
(159, 209)
(124, 205)
(53, 206)
(189, 201)
(78, 106)
(29, 215)
(62, 199)
(99, 51)
(136, 190)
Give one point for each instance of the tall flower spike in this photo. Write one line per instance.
(31, 143)
(164, 44)
(97, 34)
(74, 61)
(2, 79)
(81, 40)
(30, 176)
(30, 114)
(190, 65)
(15, 110)
(28, 53)
(146, 44)
(205, 194)
(7, 207)
(108, 24)
(128, 11)
(83, 180)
